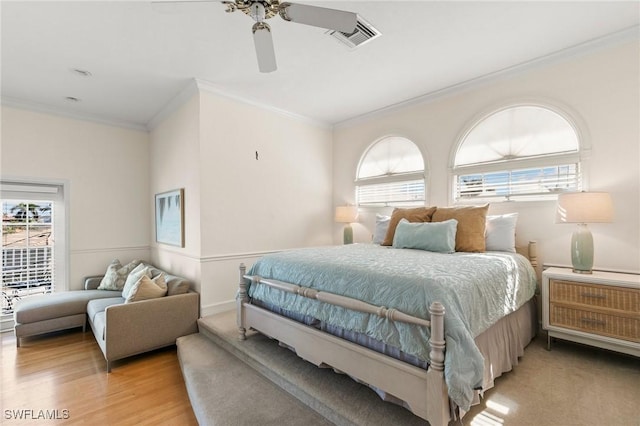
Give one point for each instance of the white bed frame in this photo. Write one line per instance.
(425, 392)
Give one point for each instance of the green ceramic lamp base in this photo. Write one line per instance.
(582, 250)
(348, 234)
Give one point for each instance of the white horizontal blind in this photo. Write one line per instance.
(392, 193)
(530, 183)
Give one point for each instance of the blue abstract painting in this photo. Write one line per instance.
(170, 218)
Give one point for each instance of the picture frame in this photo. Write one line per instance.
(169, 213)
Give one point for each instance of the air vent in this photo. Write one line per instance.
(363, 33)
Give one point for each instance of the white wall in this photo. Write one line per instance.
(250, 206)
(108, 173)
(175, 163)
(279, 200)
(245, 206)
(600, 90)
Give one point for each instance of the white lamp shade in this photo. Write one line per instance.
(584, 207)
(346, 214)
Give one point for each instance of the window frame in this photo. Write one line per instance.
(27, 188)
(391, 178)
(580, 158)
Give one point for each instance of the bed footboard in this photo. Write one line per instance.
(424, 392)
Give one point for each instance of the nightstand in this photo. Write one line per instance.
(600, 309)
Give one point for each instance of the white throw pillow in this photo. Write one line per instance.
(134, 277)
(147, 288)
(382, 224)
(500, 232)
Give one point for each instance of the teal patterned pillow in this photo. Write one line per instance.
(438, 237)
(116, 275)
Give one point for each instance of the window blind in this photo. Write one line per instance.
(526, 183)
(392, 193)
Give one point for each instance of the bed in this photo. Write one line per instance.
(399, 320)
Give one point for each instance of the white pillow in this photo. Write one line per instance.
(382, 224)
(147, 288)
(500, 232)
(134, 277)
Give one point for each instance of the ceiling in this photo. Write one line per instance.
(142, 54)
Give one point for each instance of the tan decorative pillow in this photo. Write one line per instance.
(419, 214)
(471, 225)
(116, 275)
(147, 288)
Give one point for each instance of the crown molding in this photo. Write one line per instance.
(610, 40)
(209, 87)
(51, 110)
(197, 85)
(187, 92)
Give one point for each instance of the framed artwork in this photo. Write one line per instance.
(170, 217)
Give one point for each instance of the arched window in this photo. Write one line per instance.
(391, 172)
(520, 152)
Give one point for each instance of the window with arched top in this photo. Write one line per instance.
(391, 173)
(520, 152)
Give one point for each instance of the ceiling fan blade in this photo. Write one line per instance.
(319, 17)
(264, 47)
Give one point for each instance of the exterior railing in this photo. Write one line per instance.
(25, 272)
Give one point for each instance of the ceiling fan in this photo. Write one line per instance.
(261, 10)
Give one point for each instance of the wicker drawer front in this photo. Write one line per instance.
(624, 299)
(594, 322)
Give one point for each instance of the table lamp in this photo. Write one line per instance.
(583, 208)
(347, 215)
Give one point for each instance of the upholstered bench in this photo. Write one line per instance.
(53, 312)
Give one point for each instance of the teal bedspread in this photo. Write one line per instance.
(476, 289)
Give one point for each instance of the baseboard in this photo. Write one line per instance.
(217, 308)
(7, 324)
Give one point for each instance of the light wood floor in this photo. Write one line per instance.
(66, 372)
